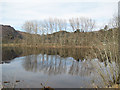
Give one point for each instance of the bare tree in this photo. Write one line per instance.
(42, 28)
(35, 31)
(28, 27)
(51, 24)
(83, 24)
(72, 23)
(35, 27)
(56, 24)
(114, 22)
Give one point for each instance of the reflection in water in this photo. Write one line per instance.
(76, 53)
(80, 65)
(10, 53)
(54, 64)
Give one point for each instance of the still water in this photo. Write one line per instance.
(58, 68)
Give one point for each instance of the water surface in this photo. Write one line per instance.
(57, 68)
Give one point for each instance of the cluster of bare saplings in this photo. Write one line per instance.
(48, 26)
(75, 31)
(54, 31)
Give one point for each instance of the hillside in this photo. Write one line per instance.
(10, 35)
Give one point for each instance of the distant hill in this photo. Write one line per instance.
(9, 34)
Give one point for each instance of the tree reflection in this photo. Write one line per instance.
(54, 64)
(76, 53)
(84, 62)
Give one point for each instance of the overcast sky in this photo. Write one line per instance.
(15, 12)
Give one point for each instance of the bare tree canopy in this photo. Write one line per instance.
(114, 22)
(28, 26)
(51, 25)
(83, 24)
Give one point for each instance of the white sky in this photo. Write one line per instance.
(59, 0)
(15, 12)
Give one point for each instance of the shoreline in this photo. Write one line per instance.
(45, 46)
(22, 45)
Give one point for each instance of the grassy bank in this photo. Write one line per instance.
(44, 45)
